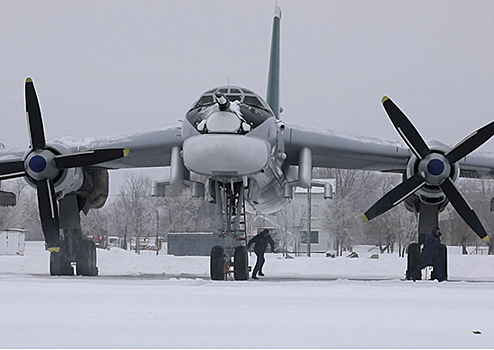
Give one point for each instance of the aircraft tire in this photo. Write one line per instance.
(217, 263)
(241, 260)
(443, 255)
(86, 258)
(413, 260)
(59, 266)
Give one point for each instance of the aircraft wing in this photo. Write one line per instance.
(147, 149)
(477, 165)
(332, 149)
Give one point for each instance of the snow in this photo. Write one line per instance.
(149, 301)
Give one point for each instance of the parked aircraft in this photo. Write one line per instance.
(238, 141)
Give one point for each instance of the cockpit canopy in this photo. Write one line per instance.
(250, 110)
(233, 93)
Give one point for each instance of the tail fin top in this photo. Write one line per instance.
(273, 93)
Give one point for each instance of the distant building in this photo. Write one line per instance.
(194, 243)
(12, 241)
(320, 237)
(295, 221)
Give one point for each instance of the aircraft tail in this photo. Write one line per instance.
(273, 94)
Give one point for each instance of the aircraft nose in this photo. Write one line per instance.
(223, 122)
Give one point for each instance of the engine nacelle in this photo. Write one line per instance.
(94, 191)
(68, 180)
(431, 193)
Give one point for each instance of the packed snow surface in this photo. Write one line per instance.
(149, 301)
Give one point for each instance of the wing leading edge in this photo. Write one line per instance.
(332, 149)
(147, 149)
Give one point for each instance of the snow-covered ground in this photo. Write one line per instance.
(149, 301)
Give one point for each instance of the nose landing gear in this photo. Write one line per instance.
(232, 257)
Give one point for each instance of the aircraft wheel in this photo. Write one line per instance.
(443, 255)
(59, 266)
(413, 260)
(241, 260)
(217, 263)
(86, 258)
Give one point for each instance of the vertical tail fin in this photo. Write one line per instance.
(273, 94)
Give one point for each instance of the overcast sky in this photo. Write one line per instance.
(107, 67)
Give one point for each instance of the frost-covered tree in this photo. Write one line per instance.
(134, 202)
(287, 228)
(25, 214)
(342, 216)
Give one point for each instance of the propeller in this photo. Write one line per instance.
(42, 166)
(434, 169)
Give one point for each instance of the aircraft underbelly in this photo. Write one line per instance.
(220, 155)
(271, 197)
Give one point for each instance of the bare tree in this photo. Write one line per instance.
(25, 213)
(134, 202)
(353, 192)
(287, 227)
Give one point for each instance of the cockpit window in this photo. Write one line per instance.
(234, 97)
(254, 102)
(236, 93)
(204, 100)
(247, 112)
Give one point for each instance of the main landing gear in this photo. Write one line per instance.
(414, 259)
(77, 255)
(74, 258)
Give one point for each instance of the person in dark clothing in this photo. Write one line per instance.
(431, 256)
(261, 242)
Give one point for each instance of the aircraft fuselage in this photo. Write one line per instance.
(231, 136)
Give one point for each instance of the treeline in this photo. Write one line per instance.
(134, 213)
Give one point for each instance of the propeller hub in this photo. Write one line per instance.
(37, 164)
(40, 165)
(435, 168)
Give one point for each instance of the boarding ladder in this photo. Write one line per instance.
(241, 239)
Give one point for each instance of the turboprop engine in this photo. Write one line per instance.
(64, 180)
(53, 169)
(431, 172)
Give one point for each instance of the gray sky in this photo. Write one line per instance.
(107, 67)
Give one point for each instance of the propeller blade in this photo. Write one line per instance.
(463, 208)
(12, 169)
(34, 121)
(89, 158)
(394, 197)
(406, 129)
(470, 143)
(48, 212)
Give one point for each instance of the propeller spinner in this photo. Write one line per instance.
(434, 169)
(43, 166)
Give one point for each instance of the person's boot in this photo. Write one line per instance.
(254, 277)
(260, 274)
